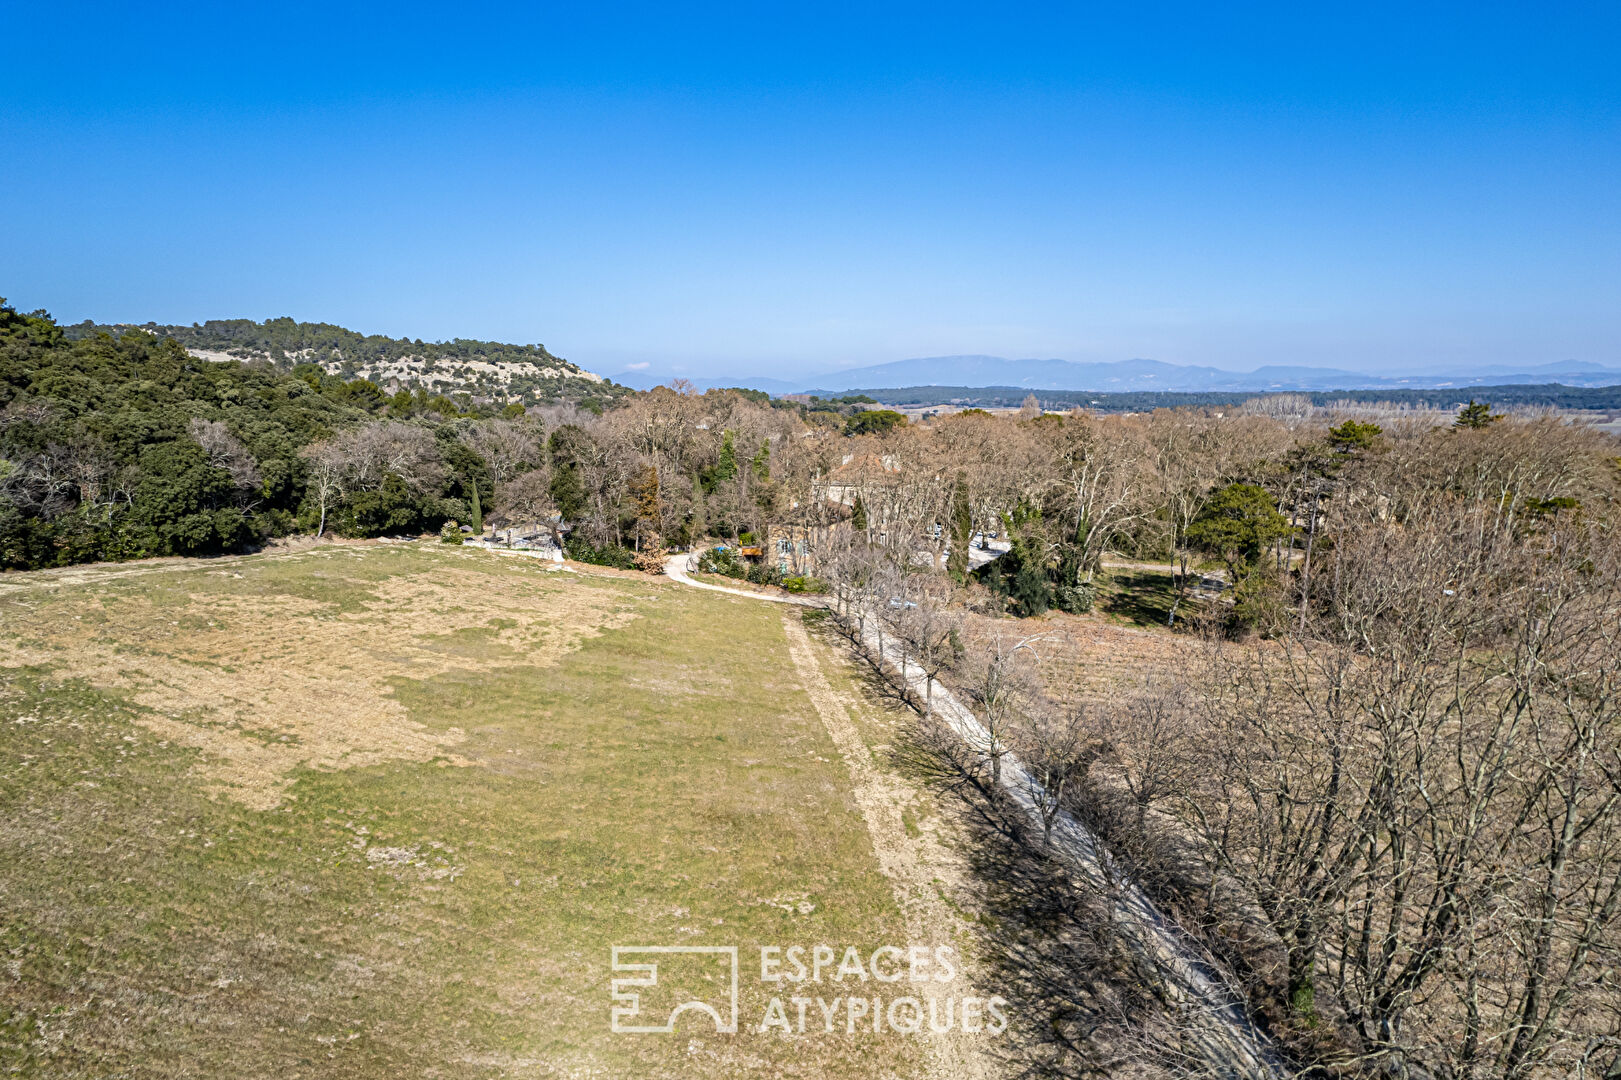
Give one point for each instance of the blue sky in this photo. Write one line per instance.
(765, 188)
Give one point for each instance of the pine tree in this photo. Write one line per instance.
(1352, 437)
(858, 515)
(1476, 415)
(725, 467)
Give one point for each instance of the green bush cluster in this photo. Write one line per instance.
(1075, 599)
(96, 458)
(578, 549)
(764, 575)
(722, 561)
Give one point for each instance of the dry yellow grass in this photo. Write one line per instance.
(267, 683)
(1084, 658)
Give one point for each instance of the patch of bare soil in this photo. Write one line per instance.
(266, 685)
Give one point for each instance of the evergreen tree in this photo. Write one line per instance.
(725, 467)
(1476, 415)
(1236, 525)
(962, 529)
(1351, 436)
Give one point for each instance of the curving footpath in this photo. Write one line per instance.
(1215, 1014)
(679, 566)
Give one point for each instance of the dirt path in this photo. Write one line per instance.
(911, 865)
(1218, 1022)
(680, 566)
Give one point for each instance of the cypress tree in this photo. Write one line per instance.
(962, 529)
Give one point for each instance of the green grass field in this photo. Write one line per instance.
(382, 811)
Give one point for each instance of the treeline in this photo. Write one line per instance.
(124, 446)
(119, 446)
(1551, 395)
(532, 373)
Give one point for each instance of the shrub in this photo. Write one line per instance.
(722, 561)
(450, 532)
(803, 584)
(764, 575)
(620, 558)
(1075, 599)
(1259, 606)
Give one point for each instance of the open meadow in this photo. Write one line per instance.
(383, 810)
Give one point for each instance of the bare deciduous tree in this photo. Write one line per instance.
(225, 451)
(1000, 682)
(1057, 747)
(508, 447)
(326, 463)
(1423, 798)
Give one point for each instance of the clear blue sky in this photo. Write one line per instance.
(770, 187)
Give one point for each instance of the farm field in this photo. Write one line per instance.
(368, 810)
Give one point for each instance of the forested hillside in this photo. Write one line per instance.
(485, 371)
(115, 447)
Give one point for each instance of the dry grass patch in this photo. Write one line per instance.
(1086, 659)
(266, 682)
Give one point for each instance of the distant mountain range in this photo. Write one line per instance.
(1140, 375)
